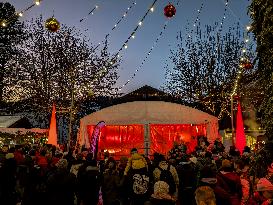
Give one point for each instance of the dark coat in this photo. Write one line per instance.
(231, 183)
(88, 183)
(110, 186)
(61, 188)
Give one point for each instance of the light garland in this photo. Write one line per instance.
(146, 57)
(5, 22)
(91, 12)
(194, 25)
(132, 35)
(125, 44)
(197, 19)
(148, 53)
(125, 14)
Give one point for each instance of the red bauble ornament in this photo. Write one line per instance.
(245, 63)
(236, 97)
(169, 11)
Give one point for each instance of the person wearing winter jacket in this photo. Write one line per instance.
(228, 180)
(61, 185)
(110, 183)
(163, 165)
(265, 187)
(88, 182)
(138, 179)
(136, 160)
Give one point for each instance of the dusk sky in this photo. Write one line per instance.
(110, 11)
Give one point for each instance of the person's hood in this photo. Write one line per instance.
(209, 180)
(230, 176)
(91, 168)
(136, 156)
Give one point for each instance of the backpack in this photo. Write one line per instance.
(140, 184)
(167, 177)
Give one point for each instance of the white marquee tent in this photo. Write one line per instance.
(148, 112)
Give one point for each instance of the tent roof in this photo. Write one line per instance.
(7, 121)
(154, 112)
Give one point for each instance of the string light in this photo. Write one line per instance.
(90, 13)
(117, 23)
(5, 22)
(147, 55)
(196, 20)
(137, 27)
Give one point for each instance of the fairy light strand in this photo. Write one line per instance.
(146, 57)
(148, 53)
(91, 12)
(124, 46)
(6, 22)
(125, 14)
(196, 20)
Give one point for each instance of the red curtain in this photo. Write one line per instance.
(120, 139)
(163, 136)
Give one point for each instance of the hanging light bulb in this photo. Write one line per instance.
(37, 2)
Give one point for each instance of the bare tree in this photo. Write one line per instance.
(56, 66)
(204, 69)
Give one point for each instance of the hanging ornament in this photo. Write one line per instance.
(236, 97)
(52, 24)
(169, 11)
(245, 63)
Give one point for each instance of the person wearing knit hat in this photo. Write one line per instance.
(161, 194)
(266, 188)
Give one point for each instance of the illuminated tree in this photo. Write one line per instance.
(61, 64)
(261, 12)
(204, 68)
(11, 35)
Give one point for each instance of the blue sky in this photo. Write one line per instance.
(110, 11)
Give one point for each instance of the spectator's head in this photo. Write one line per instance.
(111, 163)
(247, 149)
(227, 166)
(62, 164)
(159, 158)
(106, 154)
(12, 150)
(204, 195)
(265, 187)
(5, 148)
(208, 155)
(208, 176)
(123, 160)
(89, 157)
(161, 190)
(43, 152)
(134, 151)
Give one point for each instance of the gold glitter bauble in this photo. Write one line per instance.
(52, 24)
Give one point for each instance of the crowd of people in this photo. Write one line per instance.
(32, 175)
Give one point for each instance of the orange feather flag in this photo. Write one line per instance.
(52, 136)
